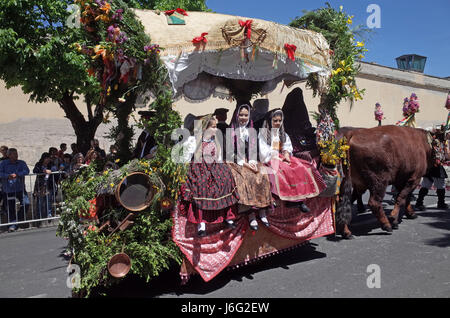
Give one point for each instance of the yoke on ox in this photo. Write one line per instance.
(379, 157)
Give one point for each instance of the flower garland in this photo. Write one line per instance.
(119, 56)
(326, 128)
(346, 51)
(410, 108)
(332, 150)
(114, 61)
(411, 105)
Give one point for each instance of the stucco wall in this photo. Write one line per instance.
(33, 128)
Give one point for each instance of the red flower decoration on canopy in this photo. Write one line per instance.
(180, 11)
(248, 27)
(290, 49)
(200, 39)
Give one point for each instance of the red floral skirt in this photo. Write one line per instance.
(296, 181)
(210, 193)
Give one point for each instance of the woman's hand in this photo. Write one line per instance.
(287, 157)
(252, 166)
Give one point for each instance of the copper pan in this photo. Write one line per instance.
(119, 265)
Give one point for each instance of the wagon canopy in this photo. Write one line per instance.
(200, 64)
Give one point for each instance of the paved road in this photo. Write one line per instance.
(32, 264)
(414, 261)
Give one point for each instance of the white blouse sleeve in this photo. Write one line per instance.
(188, 149)
(265, 150)
(288, 145)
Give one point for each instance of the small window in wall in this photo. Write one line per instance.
(411, 62)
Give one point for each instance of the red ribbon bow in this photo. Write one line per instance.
(180, 11)
(248, 27)
(290, 49)
(200, 39)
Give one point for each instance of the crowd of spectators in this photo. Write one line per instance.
(52, 167)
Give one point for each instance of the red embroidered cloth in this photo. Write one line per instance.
(211, 254)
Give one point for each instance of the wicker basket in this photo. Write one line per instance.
(331, 178)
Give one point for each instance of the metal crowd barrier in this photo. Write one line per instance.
(37, 202)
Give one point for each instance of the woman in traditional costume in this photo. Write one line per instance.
(292, 179)
(252, 185)
(210, 188)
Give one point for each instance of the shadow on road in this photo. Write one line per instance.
(441, 221)
(169, 282)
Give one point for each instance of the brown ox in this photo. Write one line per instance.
(378, 157)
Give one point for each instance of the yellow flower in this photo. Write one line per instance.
(106, 7)
(359, 44)
(105, 172)
(335, 72)
(111, 185)
(117, 160)
(78, 47)
(349, 20)
(78, 180)
(97, 48)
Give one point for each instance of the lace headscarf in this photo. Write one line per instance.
(241, 131)
(205, 120)
(267, 127)
(243, 134)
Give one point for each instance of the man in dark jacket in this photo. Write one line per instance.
(146, 144)
(12, 174)
(221, 116)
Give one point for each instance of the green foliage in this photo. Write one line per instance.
(346, 52)
(148, 241)
(35, 50)
(37, 54)
(188, 5)
(52, 62)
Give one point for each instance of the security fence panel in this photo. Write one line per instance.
(30, 200)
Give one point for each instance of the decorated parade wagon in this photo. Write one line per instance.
(135, 220)
(210, 54)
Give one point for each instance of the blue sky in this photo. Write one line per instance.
(407, 27)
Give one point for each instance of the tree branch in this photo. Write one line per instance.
(71, 110)
(89, 109)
